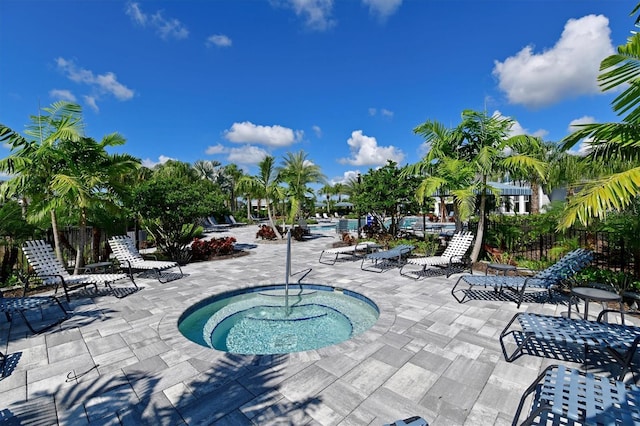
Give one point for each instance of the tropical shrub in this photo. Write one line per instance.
(205, 250)
(266, 232)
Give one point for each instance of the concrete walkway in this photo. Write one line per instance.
(123, 361)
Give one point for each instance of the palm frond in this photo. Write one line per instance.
(597, 198)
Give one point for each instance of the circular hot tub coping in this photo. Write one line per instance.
(171, 335)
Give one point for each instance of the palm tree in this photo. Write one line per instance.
(268, 180)
(33, 162)
(485, 143)
(249, 187)
(298, 172)
(447, 176)
(207, 169)
(327, 190)
(90, 176)
(612, 141)
(233, 174)
(482, 142)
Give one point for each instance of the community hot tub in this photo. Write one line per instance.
(259, 321)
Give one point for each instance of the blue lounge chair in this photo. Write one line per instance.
(19, 305)
(546, 279)
(382, 260)
(566, 396)
(619, 340)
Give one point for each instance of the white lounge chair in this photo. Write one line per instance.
(326, 216)
(130, 258)
(50, 270)
(451, 260)
(359, 249)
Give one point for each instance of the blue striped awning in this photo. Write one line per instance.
(505, 189)
(508, 189)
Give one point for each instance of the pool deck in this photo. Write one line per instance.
(124, 362)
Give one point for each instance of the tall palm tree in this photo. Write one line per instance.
(298, 172)
(33, 162)
(90, 176)
(485, 145)
(249, 187)
(233, 175)
(481, 141)
(268, 180)
(612, 141)
(327, 190)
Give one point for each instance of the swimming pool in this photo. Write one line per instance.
(255, 321)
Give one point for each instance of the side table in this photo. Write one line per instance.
(503, 268)
(500, 267)
(594, 294)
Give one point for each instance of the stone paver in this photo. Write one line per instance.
(124, 361)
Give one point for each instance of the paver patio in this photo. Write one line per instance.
(123, 361)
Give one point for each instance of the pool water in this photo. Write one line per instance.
(256, 321)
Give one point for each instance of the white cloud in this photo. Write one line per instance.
(366, 152)
(578, 121)
(147, 162)
(101, 84)
(517, 128)
(584, 146)
(165, 27)
(382, 8)
(62, 94)
(347, 176)
(216, 149)
(317, 130)
(316, 13)
(275, 136)
(135, 13)
(219, 40)
(568, 69)
(91, 102)
(383, 112)
(246, 155)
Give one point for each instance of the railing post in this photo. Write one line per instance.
(541, 246)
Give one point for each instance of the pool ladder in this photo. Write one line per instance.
(288, 274)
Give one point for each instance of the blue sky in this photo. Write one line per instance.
(344, 81)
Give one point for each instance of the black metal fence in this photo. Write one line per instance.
(611, 251)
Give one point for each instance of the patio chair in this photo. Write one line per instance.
(130, 258)
(234, 222)
(258, 219)
(326, 216)
(214, 223)
(361, 247)
(383, 259)
(619, 340)
(546, 279)
(451, 260)
(20, 305)
(50, 270)
(567, 396)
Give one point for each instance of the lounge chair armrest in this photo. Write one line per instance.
(604, 314)
(150, 256)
